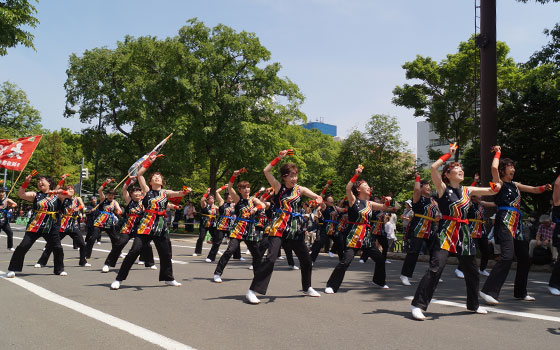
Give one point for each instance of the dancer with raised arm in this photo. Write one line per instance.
(106, 218)
(359, 234)
(226, 209)
(421, 227)
(330, 213)
(43, 223)
(243, 228)
(151, 226)
(286, 224)
(508, 232)
(452, 234)
(207, 220)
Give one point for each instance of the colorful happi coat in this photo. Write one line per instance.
(69, 219)
(358, 228)
(454, 235)
(423, 222)
(243, 227)
(476, 221)
(106, 216)
(508, 216)
(46, 209)
(133, 213)
(152, 221)
(286, 221)
(227, 212)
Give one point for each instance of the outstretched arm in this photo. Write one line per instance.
(268, 171)
(350, 185)
(436, 176)
(231, 181)
(28, 196)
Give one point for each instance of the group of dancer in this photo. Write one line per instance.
(452, 223)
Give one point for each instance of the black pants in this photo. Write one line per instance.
(383, 242)
(96, 233)
(201, 235)
(146, 255)
(265, 243)
(414, 247)
(189, 225)
(509, 248)
(554, 281)
(78, 241)
(53, 243)
(162, 247)
(263, 271)
(233, 246)
(217, 239)
(318, 244)
(482, 245)
(6, 228)
(429, 282)
(337, 276)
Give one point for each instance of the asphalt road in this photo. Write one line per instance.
(84, 313)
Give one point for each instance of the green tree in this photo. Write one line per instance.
(14, 14)
(446, 94)
(17, 117)
(388, 164)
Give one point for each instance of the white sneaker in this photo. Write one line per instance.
(122, 256)
(553, 291)
(220, 252)
(87, 265)
(381, 286)
(194, 254)
(140, 262)
(331, 255)
(388, 261)
(484, 273)
(488, 299)
(153, 267)
(208, 260)
(480, 310)
(63, 273)
(173, 261)
(294, 267)
(417, 313)
(105, 269)
(281, 258)
(115, 285)
(405, 281)
(459, 274)
(361, 261)
(251, 267)
(99, 243)
(527, 298)
(252, 297)
(329, 290)
(242, 259)
(12, 249)
(38, 266)
(11, 274)
(218, 279)
(173, 283)
(312, 292)
(440, 280)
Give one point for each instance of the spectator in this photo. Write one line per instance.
(390, 228)
(190, 212)
(544, 237)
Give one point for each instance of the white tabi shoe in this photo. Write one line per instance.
(405, 281)
(417, 313)
(251, 297)
(312, 292)
(173, 283)
(488, 299)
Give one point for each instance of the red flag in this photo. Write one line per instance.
(14, 154)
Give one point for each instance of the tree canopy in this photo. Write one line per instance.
(15, 14)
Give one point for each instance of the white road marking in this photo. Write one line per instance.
(137, 331)
(497, 310)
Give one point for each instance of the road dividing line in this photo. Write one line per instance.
(496, 310)
(137, 331)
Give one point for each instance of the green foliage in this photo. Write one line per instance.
(447, 92)
(15, 14)
(388, 165)
(17, 117)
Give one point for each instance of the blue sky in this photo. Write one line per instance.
(345, 55)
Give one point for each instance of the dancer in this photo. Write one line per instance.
(453, 234)
(133, 213)
(44, 223)
(106, 219)
(285, 225)
(508, 232)
(151, 226)
(330, 213)
(245, 209)
(69, 226)
(554, 282)
(359, 234)
(226, 209)
(421, 227)
(207, 220)
(5, 204)
(377, 224)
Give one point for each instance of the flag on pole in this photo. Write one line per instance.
(133, 171)
(14, 154)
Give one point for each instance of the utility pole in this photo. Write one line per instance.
(488, 87)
